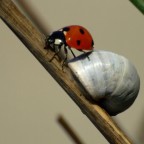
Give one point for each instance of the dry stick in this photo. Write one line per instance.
(31, 13)
(34, 41)
(69, 130)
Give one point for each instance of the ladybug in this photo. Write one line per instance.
(73, 36)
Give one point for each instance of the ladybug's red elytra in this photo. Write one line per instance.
(73, 36)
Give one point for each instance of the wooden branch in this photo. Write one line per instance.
(34, 41)
(69, 130)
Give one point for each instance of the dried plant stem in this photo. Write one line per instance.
(34, 41)
(69, 130)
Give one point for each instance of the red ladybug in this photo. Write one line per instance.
(73, 36)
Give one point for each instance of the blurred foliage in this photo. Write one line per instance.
(139, 4)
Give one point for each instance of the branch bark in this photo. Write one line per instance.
(34, 41)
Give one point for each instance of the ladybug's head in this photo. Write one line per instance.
(55, 40)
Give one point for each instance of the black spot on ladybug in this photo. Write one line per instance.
(66, 29)
(78, 42)
(92, 43)
(81, 31)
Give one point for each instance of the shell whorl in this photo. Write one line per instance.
(109, 78)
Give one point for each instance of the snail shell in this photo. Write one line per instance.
(110, 79)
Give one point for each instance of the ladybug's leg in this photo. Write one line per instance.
(57, 52)
(66, 52)
(54, 56)
(86, 53)
(71, 51)
(46, 43)
(82, 51)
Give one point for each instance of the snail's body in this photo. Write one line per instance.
(109, 78)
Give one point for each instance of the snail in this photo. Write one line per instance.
(110, 79)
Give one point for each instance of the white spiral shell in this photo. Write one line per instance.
(109, 78)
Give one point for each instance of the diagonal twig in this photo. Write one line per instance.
(69, 130)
